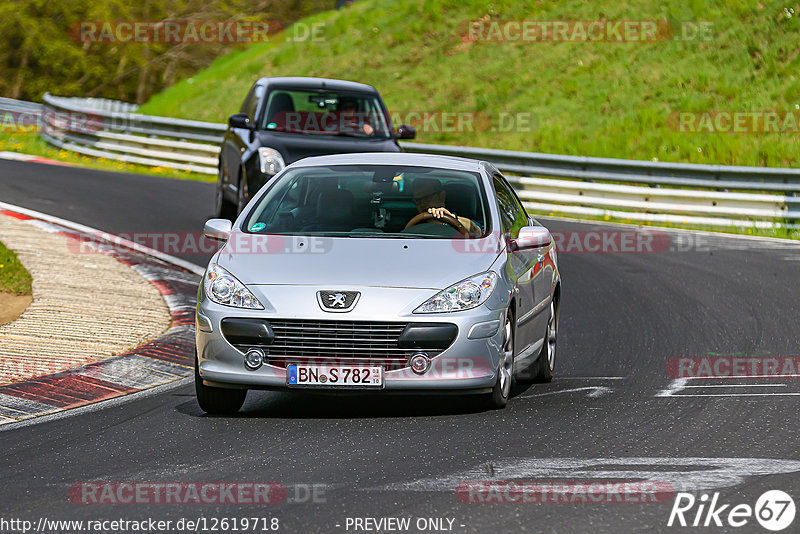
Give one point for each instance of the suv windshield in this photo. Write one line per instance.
(372, 201)
(325, 113)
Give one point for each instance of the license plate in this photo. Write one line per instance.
(334, 376)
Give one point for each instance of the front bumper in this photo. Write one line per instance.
(469, 364)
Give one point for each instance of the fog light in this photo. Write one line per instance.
(419, 362)
(253, 359)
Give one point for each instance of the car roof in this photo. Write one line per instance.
(302, 82)
(393, 158)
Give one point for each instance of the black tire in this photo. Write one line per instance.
(222, 208)
(545, 363)
(243, 195)
(501, 391)
(217, 401)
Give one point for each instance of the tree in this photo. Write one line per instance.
(42, 48)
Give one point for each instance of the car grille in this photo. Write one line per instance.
(340, 342)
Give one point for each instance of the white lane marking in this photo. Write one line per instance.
(683, 474)
(590, 378)
(677, 384)
(737, 395)
(596, 391)
(737, 386)
(738, 377)
(16, 156)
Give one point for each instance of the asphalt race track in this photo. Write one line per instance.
(614, 411)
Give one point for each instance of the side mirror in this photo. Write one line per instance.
(240, 120)
(219, 229)
(404, 131)
(532, 237)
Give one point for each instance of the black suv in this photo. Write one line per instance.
(283, 120)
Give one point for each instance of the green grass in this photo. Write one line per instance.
(14, 278)
(594, 99)
(31, 143)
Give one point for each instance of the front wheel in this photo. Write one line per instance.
(244, 195)
(222, 208)
(217, 401)
(498, 398)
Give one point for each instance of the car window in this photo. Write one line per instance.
(369, 200)
(512, 213)
(328, 113)
(255, 100)
(247, 100)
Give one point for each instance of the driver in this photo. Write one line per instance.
(429, 196)
(348, 114)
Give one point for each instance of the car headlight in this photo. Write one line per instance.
(270, 160)
(223, 288)
(465, 295)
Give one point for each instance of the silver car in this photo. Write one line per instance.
(381, 273)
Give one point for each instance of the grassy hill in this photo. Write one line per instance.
(612, 99)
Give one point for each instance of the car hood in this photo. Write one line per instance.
(408, 263)
(298, 146)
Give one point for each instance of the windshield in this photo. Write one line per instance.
(324, 113)
(372, 201)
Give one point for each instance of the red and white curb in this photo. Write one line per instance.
(16, 156)
(168, 358)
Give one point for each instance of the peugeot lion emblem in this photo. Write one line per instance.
(337, 301)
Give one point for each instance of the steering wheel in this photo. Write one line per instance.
(425, 217)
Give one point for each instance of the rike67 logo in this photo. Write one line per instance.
(774, 510)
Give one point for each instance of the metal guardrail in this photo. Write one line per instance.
(574, 185)
(109, 133)
(20, 106)
(94, 104)
(623, 170)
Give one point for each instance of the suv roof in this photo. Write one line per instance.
(300, 82)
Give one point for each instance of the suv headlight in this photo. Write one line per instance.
(465, 295)
(270, 160)
(223, 288)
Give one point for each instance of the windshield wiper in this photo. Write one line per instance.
(390, 236)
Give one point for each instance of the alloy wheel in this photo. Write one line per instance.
(552, 333)
(507, 359)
